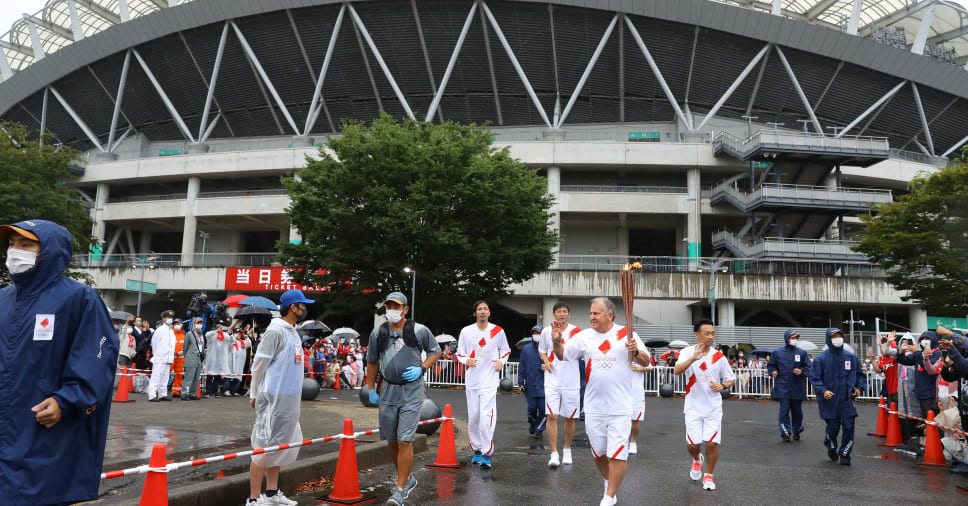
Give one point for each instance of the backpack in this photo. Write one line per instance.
(409, 336)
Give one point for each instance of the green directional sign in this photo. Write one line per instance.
(761, 165)
(644, 135)
(948, 322)
(97, 252)
(131, 285)
(169, 152)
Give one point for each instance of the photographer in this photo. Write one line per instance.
(926, 358)
(955, 370)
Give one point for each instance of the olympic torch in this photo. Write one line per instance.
(628, 296)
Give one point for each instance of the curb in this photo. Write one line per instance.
(235, 489)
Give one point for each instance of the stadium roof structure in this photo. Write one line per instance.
(246, 68)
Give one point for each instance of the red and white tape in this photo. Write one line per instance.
(945, 428)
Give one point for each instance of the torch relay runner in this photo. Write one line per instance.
(609, 352)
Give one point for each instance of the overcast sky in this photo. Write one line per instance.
(10, 10)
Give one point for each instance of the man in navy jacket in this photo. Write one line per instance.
(926, 360)
(790, 367)
(531, 377)
(57, 365)
(837, 379)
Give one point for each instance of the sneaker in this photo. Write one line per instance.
(633, 448)
(832, 455)
(279, 499)
(477, 459)
(252, 501)
(608, 501)
(485, 461)
(553, 462)
(154, 400)
(708, 483)
(786, 438)
(844, 460)
(566, 456)
(695, 473)
(411, 484)
(398, 497)
(531, 429)
(796, 436)
(960, 468)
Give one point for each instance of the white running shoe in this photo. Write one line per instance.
(608, 501)
(633, 448)
(696, 471)
(553, 462)
(279, 499)
(566, 456)
(708, 483)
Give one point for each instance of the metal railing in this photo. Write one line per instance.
(744, 265)
(914, 156)
(622, 189)
(793, 247)
(159, 260)
(452, 373)
(782, 141)
(147, 198)
(804, 192)
(201, 195)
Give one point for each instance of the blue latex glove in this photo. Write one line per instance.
(374, 397)
(412, 373)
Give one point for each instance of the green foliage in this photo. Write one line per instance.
(440, 199)
(921, 239)
(34, 184)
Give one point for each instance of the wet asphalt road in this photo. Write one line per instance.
(755, 467)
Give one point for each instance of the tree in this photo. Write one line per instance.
(921, 239)
(34, 183)
(439, 199)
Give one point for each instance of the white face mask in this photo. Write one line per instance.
(394, 315)
(20, 261)
(837, 342)
(198, 327)
(178, 326)
(130, 330)
(169, 320)
(793, 342)
(925, 344)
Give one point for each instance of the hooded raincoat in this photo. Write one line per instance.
(837, 370)
(277, 378)
(218, 354)
(907, 402)
(925, 383)
(57, 340)
(783, 361)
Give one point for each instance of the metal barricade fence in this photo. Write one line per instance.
(750, 383)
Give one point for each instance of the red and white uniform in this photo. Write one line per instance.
(638, 385)
(703, 407)
(609, 390)
(481, 381)
(562, 385)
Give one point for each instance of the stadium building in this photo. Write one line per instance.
(728, 146)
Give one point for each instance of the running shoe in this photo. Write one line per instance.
(279, 499)
(708, 483)
(477, 459)
(832, 455)
(553, 462)
(696, 471)
(411, 484)
(786, 438)
(485, 461)
(844, 460)
(397, 498)
(608, 501)
(566, 456)
(796, 435)
(633, 448)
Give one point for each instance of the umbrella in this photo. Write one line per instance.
(806, 345)
(251, 311)
(258, 301)
(314, 327)
(308, 339)
(447, 338)
(656, 343)
(233, 301)
(121, 315)
(678, 345)
(346, 333)
(523, 342)
(762, 352)
(665, 356)
(346, 338)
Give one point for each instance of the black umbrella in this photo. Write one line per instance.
(314, 327)
(253, 311)
(656, 343)
(308, 339)
(121, 315)
(762, 352)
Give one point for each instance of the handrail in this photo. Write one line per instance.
(201, 195)
(622, 189)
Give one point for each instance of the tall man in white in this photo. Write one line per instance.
(707, 374)
(562, 384)
(483, 348)
(162, 356)
(609, 353)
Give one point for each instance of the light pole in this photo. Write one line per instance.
(712, 286)
(144, 262)
(413, 290)
(204, 235)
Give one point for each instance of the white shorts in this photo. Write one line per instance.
(704, 428)
(562, 402)
(608, 435)
(638, 410)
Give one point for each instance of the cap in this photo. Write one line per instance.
(19, 228)
(167, 314)
(291, 297)
(396, 297)
(536, 327)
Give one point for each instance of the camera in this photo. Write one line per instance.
(199, 304)
(221, 312)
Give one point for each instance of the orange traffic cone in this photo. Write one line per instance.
(220, 475)
(199, 393)
(881, 430)
(933, 451)
(124, 386)
(446, 445)
(336, 384)
(346, 483)
(893, 429)
(155, 491)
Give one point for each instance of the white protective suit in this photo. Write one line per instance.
(218, 354)
(240, 349)
(162, 356)
(277, 375)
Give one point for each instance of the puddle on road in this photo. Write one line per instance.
(134, 442)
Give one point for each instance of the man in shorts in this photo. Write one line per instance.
(562, 385)
(609, 352)
(394, 350)
(707, 374)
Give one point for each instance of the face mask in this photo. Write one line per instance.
(837, 342)
(221, 328)
(130, 330)
(178, 327)
(793, 342)
(394, 315)
(925, 344)
(168, 321)
(198, 327)
(20, 261)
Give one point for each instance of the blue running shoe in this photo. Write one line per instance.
(477, 458)
(485, 461)
(411, 484)
(398, 498)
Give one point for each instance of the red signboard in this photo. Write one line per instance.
(265, 279)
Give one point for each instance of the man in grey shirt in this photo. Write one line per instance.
(394, 350)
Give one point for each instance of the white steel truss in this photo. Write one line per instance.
(254, 60)
(658, 74)
(796, 85)
(379, 60)
(588, 71)
(732, 88)
(450, 64)
(887, 96)
(315, 105)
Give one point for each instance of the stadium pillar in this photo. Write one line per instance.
(623, 234)
(554, 189)
(547, 310)
(917, 319)
(100, 201)
(190, 228)
(725, 313)
(694, 224)
(144, 245)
